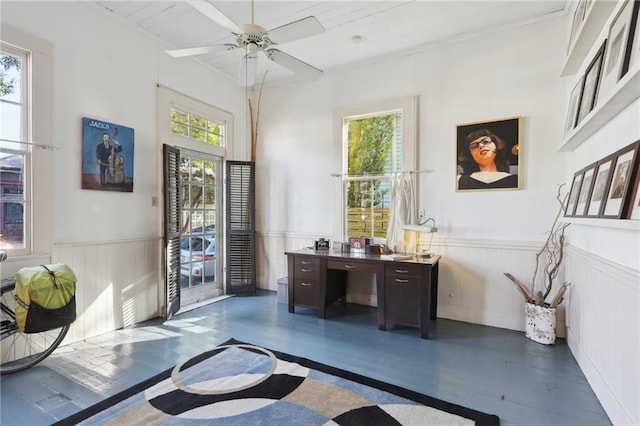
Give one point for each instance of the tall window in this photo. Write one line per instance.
(378, 140)
(372, 145)
(14, 156)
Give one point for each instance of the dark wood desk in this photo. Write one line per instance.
(407, 289)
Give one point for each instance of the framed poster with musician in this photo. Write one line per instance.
(107, 156)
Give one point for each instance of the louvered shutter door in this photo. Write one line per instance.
(172, 229)
(240, 226)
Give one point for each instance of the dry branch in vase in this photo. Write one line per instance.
(548, 262)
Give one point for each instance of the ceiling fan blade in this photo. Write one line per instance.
(247, 73)
(305, 27)
(212, 12)
(192, 51)
(294, 65)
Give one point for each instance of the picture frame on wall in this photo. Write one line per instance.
(602, 179)
(635, 201)
(585, 190)
(625, 168)
(578, 17)
(634, 38)
(107, 155)
(617, 41)
(590, 87)
(574, 102)
(573, 194)
(488, 155)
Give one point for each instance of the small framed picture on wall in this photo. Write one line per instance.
(625, 167)
(585, 190)
(578, 17)
(574, 102)
(573, 194)
(619, 36)
(602, 179)
(590, 88)
(635, 202)
(634, 38)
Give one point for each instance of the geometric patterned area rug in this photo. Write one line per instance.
(239, 384)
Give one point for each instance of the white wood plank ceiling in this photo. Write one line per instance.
(356, 32)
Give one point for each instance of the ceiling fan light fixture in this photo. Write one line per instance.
(252, 50)
(247, 73)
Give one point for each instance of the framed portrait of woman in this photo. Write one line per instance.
(488, 155)
(625, 168)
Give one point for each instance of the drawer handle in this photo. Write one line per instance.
(306, 284)
(398, 280)
(305, 270)
(402, 271)
(350, 266)
(305, 262)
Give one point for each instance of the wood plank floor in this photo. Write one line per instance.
(489, 369)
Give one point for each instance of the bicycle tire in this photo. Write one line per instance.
(19, 350)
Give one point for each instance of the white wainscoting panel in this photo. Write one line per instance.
(604, 331)
(119, 284)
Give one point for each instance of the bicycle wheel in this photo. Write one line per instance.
(19, 351)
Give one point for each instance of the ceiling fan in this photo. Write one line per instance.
(254, 39)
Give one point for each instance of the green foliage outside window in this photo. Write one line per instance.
(8, 85)
(369, 151)
(371, 144)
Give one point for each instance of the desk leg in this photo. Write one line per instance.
(425, 305)
(322, 289)
(380, 289)
(434, 292)
(290, 271)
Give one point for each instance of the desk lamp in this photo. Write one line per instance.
(422, 228)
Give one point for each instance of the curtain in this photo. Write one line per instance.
(402, 212)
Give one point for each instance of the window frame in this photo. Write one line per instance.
(408, 107)
(37, 135)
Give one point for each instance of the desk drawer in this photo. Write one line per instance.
(402, 299)
(306, 292)
(347, 265)
(308, 267)
(402, 270)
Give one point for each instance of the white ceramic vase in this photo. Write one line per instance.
(540, 323)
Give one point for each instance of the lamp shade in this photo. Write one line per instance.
(415, 230)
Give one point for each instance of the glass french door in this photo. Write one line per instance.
(201, 195)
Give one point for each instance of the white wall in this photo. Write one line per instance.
(106, 70)
(458, 83)
(481, 234)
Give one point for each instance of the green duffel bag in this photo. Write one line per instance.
(45, 297)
